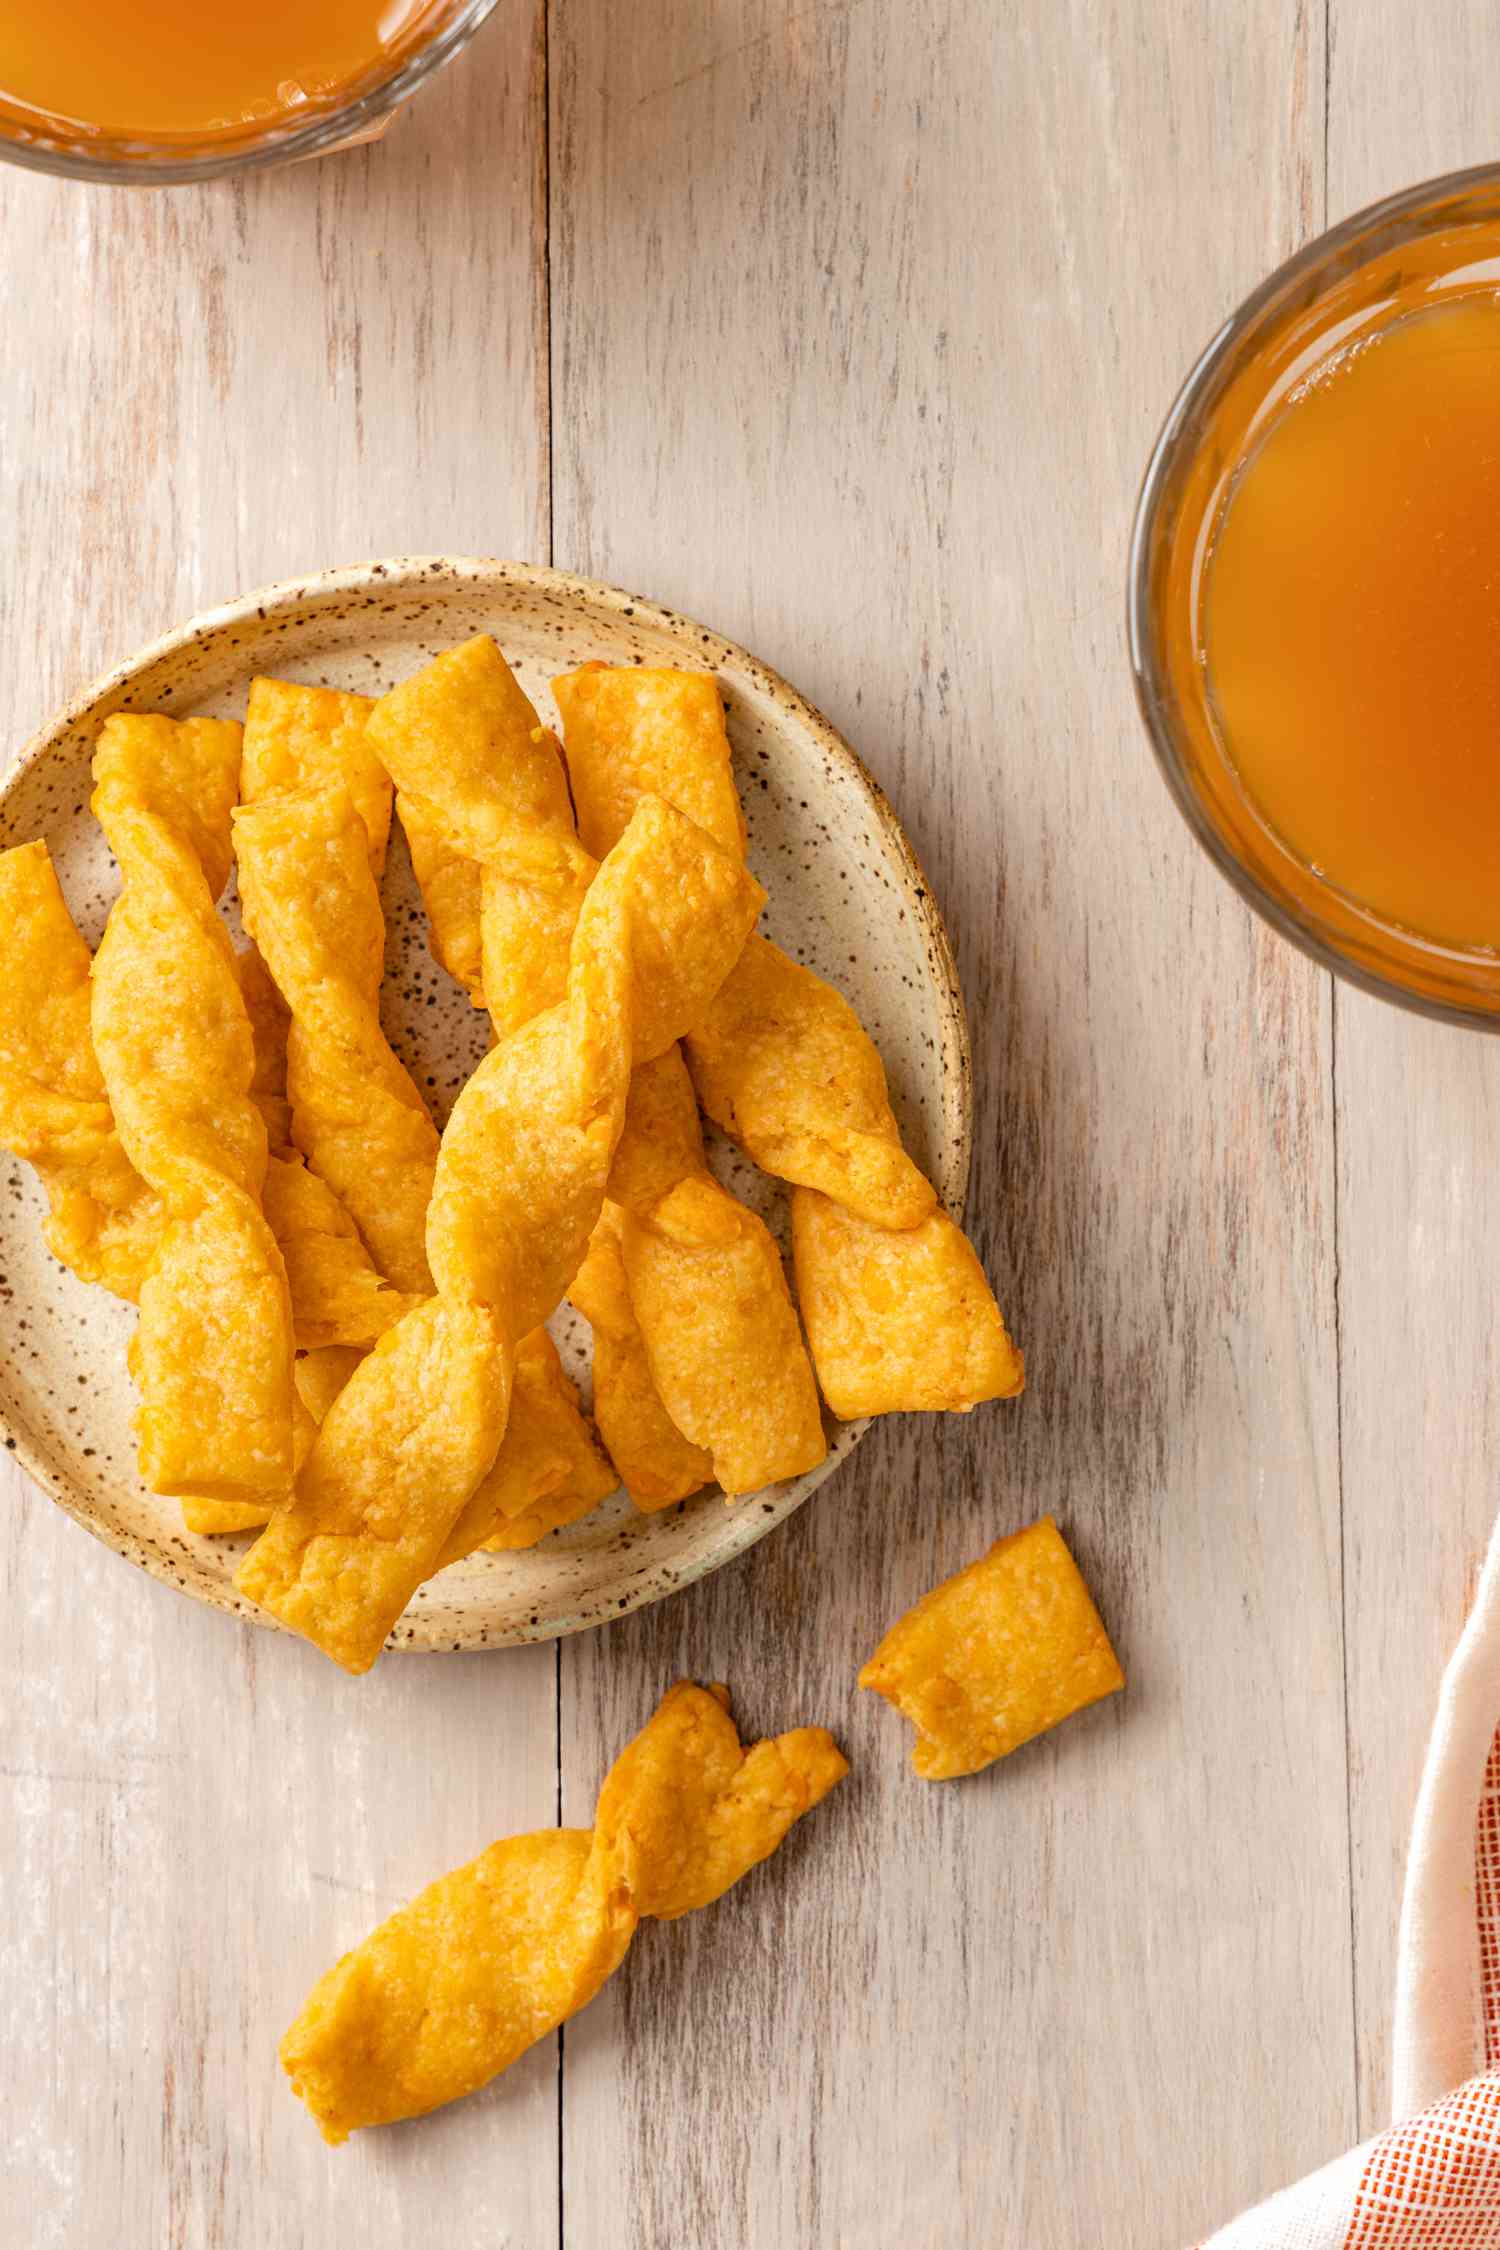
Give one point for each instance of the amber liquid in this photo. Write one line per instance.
(1352, 624)
(188, 69)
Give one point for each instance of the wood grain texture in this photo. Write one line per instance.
(860, 338)
(859, 333)
(1419, 1204)
(205, 389)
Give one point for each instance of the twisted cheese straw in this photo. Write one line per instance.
(455, 1987)
(213, 1350)
(480, 787)
(707, 1287)
(485, 809)
(298, 737)
(338, 1298)
(461, 738)
(657, 1464)
(519, 1186)
(311, 904)
(103, 1221)
(484, 804)
(548, 1470)
(899, 1314)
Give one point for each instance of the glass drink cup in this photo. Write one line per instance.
(1409, 253)
(356, 110)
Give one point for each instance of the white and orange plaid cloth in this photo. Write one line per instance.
(1432, 2182)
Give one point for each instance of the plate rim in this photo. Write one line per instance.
(714, 651)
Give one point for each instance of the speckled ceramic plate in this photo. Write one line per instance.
(846, 895)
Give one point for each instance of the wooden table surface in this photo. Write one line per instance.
(847, 328)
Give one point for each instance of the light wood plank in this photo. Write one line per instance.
(1419, 1205)
(204, 390)
(862, 329)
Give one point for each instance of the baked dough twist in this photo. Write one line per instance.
(338, 1298)
(485, 809)
(311, 904)
(713, 1319)
(453, 1988)
(105, 1222)
(898, 1312)
(213, 1350)
(658, 1465)
(484, 801)
(519, 1187)
(707, 1286)
(299, 737)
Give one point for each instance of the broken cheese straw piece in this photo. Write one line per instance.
(480, 777)
(213, 1351)
(453, 1988)
(103, 1221)
(480, 783)
(705, 1278)
(519, 1186)
(657, 1464)
(783, 1065)
(311, 905)
(995, 1655)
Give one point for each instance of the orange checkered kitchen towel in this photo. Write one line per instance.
(1432, 2182)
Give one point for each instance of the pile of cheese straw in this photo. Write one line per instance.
(341, 1336)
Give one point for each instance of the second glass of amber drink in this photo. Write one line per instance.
(1314, 602)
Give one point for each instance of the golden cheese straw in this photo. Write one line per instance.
(519, 1187)
(484, 801)
(338, 1298)
(485, 808)
(299, 737)
(455, 1987)
(657, 1464)
(548, 1472)
(718, 1327)
(707, 1286)
(311, 905)
(103, 1221)
(480, 785)
(213, 1351)
(899, 1314)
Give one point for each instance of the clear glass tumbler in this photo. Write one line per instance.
(356, 112)
(1408, 252)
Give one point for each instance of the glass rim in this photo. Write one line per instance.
(1153, 696)
(258, 149)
